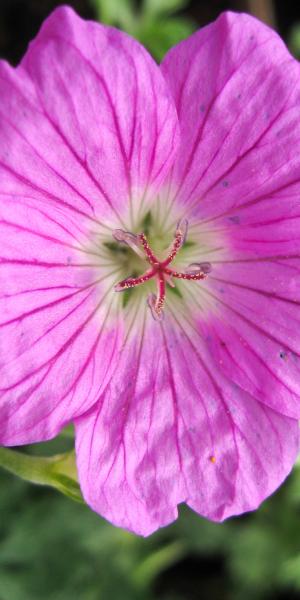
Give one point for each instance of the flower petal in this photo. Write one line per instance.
(53, 321)
(107, 120)
(237, 90)
(86, 127)
(170, 429)
(253, 329)
(238, 175)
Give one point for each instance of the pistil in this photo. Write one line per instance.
(159, 269)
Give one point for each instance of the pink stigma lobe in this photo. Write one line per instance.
(159, 269)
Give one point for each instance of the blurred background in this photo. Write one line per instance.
(159, 24)
(54, 549)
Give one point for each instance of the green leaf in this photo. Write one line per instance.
(57, 471)
(116, 12)
(151, 23)
(294, 40)
(159, 7)
(159, 36)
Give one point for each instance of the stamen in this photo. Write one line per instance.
(182, 228)
(129, 239)
(204, 267)
(179, 239)
(152, 302)
(160, 269)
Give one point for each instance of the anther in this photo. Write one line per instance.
(179, 239)
(182, 229)
(157, 314)
(204, 267)
(129, 239)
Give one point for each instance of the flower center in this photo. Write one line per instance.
(159, 269)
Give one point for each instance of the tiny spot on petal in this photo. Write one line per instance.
(235, 219)
(283, 354)
(213, 459)
(225, 183)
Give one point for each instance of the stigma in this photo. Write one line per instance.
(159, 270)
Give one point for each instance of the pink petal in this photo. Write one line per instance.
(87, 127)
(238, 178)
(253, 330)
(169, 429)
(53, 324)
(109, 123)
(236, 89)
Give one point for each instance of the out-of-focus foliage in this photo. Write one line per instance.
(294, 40)
(153, 23)
(56, 549)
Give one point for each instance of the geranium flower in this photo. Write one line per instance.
(119, 180)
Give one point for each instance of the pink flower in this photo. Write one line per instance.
(192, 393)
